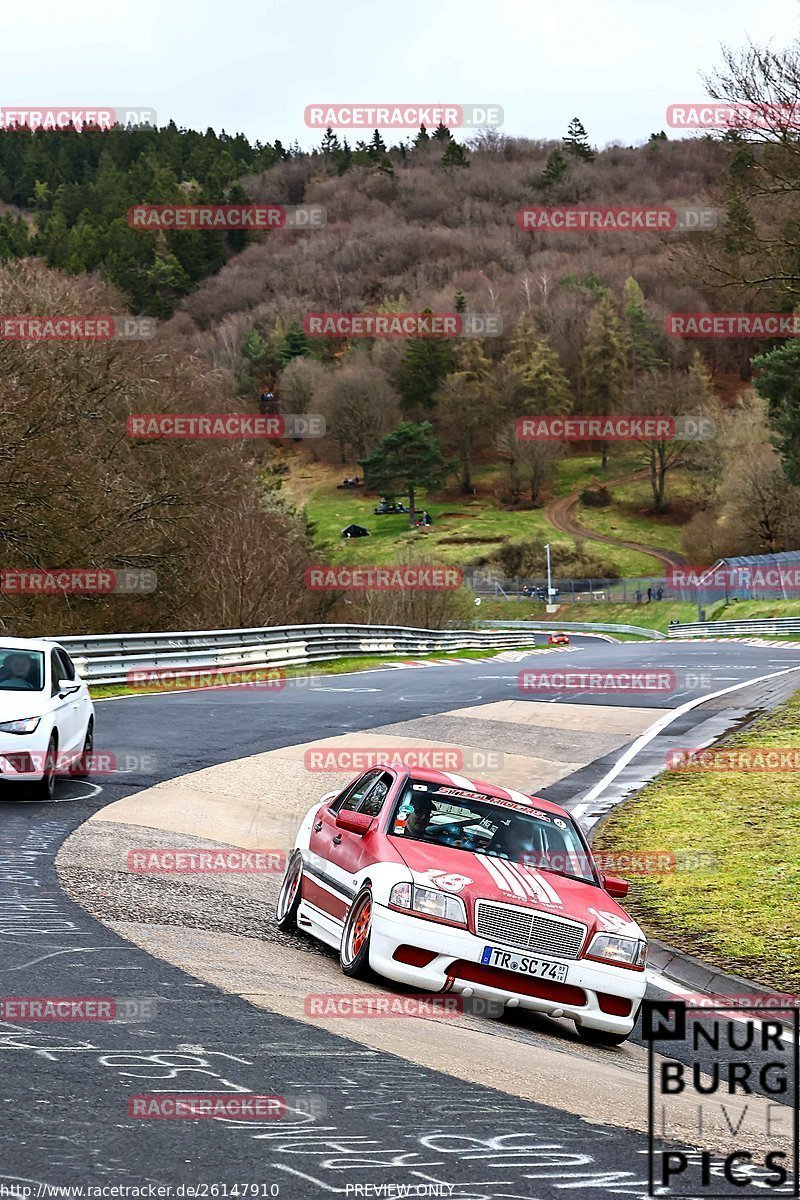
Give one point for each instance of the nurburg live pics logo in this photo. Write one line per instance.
(733, 1078)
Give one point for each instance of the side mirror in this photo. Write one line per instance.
(354, 822)
(67, 686)
(615, 886)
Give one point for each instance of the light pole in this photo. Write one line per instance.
(549, 580)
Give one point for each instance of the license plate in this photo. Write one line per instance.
(512, 960)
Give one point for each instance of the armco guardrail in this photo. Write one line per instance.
(764, 626)
(112, 657)
(575, 627)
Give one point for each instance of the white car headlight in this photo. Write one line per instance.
(22, 725)
(429, 902)
(623, 951)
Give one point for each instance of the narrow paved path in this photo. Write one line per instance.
(559, 514)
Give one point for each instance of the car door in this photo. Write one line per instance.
(81, 700)
(66, 706)
(350, 853)
(324, 883)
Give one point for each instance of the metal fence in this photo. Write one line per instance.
(634, 590)
(764, 627)
(113, 657)
(587, 627)
(573, 591)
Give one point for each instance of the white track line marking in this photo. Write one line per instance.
(656, 728)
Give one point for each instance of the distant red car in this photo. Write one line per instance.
(558, 639)
(451, 885)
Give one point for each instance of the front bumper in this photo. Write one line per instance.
(22, 755)
(457, 968)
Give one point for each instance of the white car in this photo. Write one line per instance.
(46, 715)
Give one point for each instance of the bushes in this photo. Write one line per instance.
(596, 495)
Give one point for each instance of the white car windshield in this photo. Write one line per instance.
(482, 824)
(21, 670)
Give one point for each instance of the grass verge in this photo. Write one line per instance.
(741, 915)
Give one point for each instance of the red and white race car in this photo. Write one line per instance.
(448, 884)
(558, 639)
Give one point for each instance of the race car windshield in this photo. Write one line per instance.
(484, 824)
(21, 670)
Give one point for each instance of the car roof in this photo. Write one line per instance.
(41, 644)
(454, 780)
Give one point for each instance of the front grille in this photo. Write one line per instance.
(529, 930)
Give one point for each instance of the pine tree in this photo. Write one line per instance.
(422, 368)
(465, 405)
(405, 461)
(441, 133)
(778, 381)
(460, 303)
(454, 155)
(576, 142)
(422, 137)
(640, 334)
(330, 143)
(294, 344)
(739, 236)
(545, 385)
(700, 382)
(603, 364)
(346, 157)
(377, 147)
(555, 169)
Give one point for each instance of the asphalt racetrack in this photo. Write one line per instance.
(356, 1117)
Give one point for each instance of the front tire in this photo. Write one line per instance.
(82, 769)
(45, 788)
(600, 1037)
(354, 950)
(290, 895)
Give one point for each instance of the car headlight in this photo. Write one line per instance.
(23, 725)
(429, 903)
(622, 951)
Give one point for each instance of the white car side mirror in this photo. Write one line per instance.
(67, 686)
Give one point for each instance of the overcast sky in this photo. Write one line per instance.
(254, 65)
